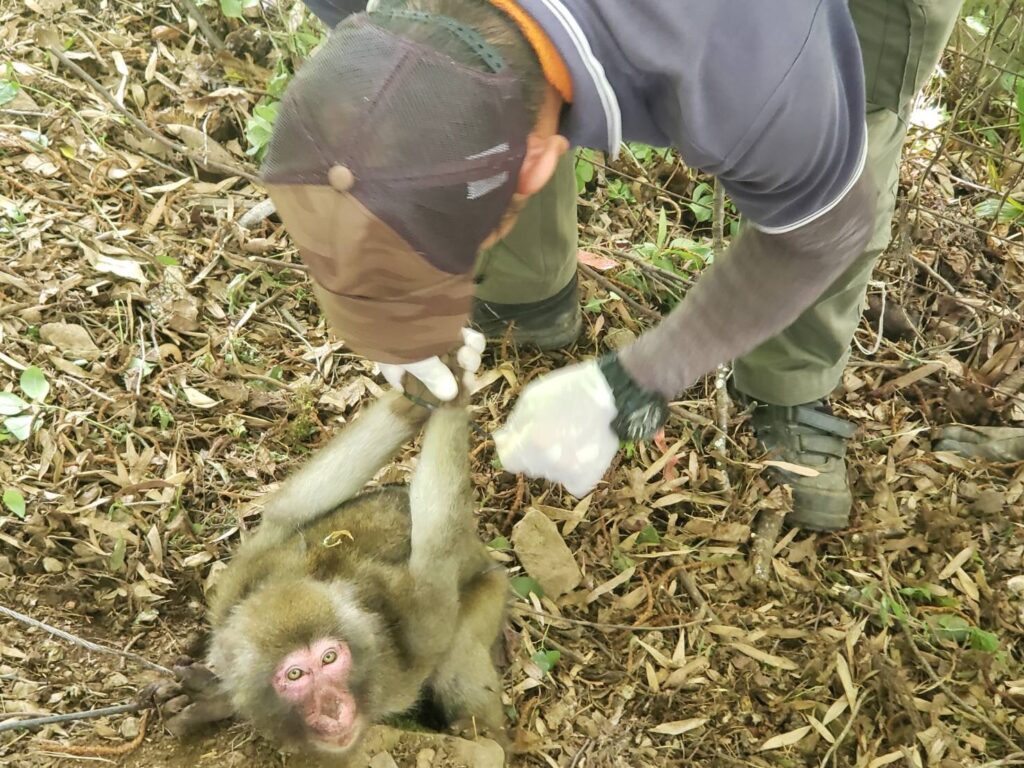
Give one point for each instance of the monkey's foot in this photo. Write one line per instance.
(473, 729)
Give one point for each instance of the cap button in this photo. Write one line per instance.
(341, 178)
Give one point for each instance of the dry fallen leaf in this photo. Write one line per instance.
(678, 727)
(785, 739)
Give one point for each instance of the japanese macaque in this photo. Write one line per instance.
(343, 609)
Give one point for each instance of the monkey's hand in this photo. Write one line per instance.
(193, 700)
(435, 375)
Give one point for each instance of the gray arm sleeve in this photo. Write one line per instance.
(330, 12)
(761, 284)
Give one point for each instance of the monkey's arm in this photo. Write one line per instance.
(441, 503)
(344, 466)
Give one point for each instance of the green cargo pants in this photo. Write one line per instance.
(901, 41)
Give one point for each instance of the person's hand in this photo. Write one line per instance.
(435, 375)
(1004, 444)
(561, 429)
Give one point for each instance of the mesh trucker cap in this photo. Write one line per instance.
(390, 163)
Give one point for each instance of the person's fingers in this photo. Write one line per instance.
(436, 376)
(475, 340)
(393, 374)
(468, 359)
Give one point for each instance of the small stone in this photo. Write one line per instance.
(72, 340)
(544, 554)
(618, 338)
(383, 760)
(53, 565)
(130, 727)
(6, 566)
(1015, 585)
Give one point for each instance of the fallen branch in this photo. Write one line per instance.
(30, 724)
(87, 644)
(766, 532)
(608, 285)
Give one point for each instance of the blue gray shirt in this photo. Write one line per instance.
(768, 97)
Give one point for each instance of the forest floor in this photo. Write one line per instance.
(171, 365)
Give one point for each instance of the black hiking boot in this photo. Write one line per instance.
(548, 324)
(809, 435)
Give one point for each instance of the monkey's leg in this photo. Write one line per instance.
(440, 501)
(466, 684)
(341, 469)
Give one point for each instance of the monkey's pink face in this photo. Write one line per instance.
(315, 680)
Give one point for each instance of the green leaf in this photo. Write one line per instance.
(8, 91)
(621, 561)
(34, 383)
(500, 544)
(116, 562)
(952, 627)
(524, 586)
(11, 404)
(19, 426)
(546, 660)
(260, 127)
(1020, 106)
(167, 260)
(231, 8)
(648, 535)
(15, 502)
(984, 641)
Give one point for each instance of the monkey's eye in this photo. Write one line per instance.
(330, 657)
(294, 673)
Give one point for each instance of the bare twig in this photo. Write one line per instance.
(204, 26)
(181, 149)
(87, 644)
(608, 285)
(844, 733)
(766, 533)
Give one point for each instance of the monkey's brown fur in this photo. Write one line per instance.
(398, 573)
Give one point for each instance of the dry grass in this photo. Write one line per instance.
(210, 376)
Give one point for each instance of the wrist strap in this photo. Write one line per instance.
(640, 412)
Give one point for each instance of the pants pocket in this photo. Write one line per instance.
(901, 42)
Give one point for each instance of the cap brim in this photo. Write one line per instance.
(385, 300)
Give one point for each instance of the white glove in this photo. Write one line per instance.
(438, 377)
(560, 429)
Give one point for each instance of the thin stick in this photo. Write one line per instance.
(608, 285)
(88, 714)
(204, 26)
(139, 125)
(766, 533)
(87, 644)
(722, 402)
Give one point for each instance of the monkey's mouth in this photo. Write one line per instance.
(335, 720)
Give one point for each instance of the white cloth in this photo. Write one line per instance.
(560, 429)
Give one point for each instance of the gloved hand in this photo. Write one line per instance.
(435, 375)
(567, 425)
(993, 443)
